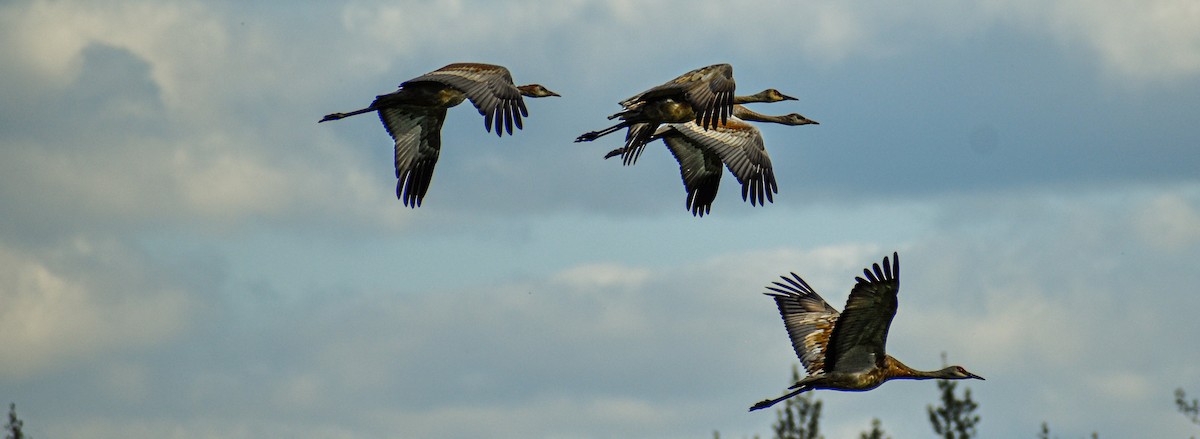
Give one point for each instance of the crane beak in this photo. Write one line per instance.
(787, 98)
(971, 375)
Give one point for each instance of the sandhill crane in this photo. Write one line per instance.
(413, 116)
(641, 133)
(704, 95)
(846, 351)
(735, 143)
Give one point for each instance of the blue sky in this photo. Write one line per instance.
(185, 252)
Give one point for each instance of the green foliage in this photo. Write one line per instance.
(800, 416)
(876, 431)
(1045, 433)
(1189, 409)
(14, 424)
(955, 418)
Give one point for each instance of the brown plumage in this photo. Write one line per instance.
(735, 144)
(846, 351)
(413, 116)
(704, 95)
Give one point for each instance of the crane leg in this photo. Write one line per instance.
(336, 116)
(770, 402)
(593, 135)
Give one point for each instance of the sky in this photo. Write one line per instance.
(186, 253)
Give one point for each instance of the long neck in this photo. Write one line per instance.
(744, 113)
(898, 371)
(751, 99)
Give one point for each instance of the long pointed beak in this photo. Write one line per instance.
(969, 374)
(787, 98)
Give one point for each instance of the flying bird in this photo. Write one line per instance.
(413, 116)
(846, 351)
(704, 95)
(735, 144)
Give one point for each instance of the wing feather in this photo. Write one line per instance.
(418, 142)
(700, 169)
(709, 90)
(489, 88)
(808, 318)
(859, 339)
(740, 146)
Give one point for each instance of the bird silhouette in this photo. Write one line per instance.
(643, 118)
(735, 144)
(846, 351)
(704, 95)
(413, 116)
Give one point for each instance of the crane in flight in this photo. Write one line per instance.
(736, 144)
(413, 116)
(845, 351)
(704, 95)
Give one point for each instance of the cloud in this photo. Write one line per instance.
(1169, 222)
(58, 311)
(123, 122)
(1145, 41)
(643, 349)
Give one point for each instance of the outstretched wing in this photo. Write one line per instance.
(417, 132)
(489, 87)
(859, 338)
(636, 138)
(709, 90)
(808, 319)
(740, 146)
(699, 167)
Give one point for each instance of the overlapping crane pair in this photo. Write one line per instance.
(696, 115)
(703, 123)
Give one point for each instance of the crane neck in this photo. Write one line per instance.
(744, 113)
(899, 371)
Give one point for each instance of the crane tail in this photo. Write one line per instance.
(770, 402)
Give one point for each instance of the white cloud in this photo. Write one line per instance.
(52, 316)
(180, 40)
(1169, 222)
(1142, 40)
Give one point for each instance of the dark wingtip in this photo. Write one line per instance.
(895, 265)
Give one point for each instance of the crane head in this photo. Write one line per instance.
(536, 91)
(772, 95)
(797, 119)
(957, 373)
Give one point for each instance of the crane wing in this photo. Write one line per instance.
(699, 167)
(808, 319)
(417, 132)
(740, 147)
(636, 138)
(489, 87)
(709, 90)
(858, 340)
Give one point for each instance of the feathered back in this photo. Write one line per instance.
(489, 87)
(708, 89)
(740, 146)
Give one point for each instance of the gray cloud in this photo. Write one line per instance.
(187, 253)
